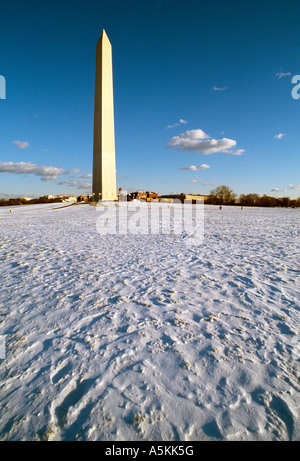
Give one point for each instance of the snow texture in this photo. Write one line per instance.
(149, 337)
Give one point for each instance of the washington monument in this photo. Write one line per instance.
(104, 163)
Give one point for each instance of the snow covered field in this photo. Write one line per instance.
(149, 337)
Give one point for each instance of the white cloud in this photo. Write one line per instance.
(217, 88)
(21, 144)
(75, 170)
(195, 168)
(199, 141)
(180, 122)
(89, 175)
(279, 135)
(188, 137)
(280, 75)
(194, 181)
(78, 184)
(296, 187)
(277, 189)
(47, 173)
(289, 187)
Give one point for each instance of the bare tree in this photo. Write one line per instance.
(249, 199)
(222, 195)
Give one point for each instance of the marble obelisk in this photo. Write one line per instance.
(104, 162)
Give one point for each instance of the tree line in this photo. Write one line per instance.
(223, 195)
(23, 201)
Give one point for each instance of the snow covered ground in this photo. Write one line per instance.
(149, 337)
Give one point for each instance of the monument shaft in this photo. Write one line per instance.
(104, 163)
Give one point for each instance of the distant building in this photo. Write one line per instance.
(166, 200)
(192, 197)
(82, 198)
(71, 199)
(140, 195)
(152, 195)
(183, 197)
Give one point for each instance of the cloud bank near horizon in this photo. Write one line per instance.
(46, 173)
(78, 184)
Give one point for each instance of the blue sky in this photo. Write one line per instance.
(202, 93)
